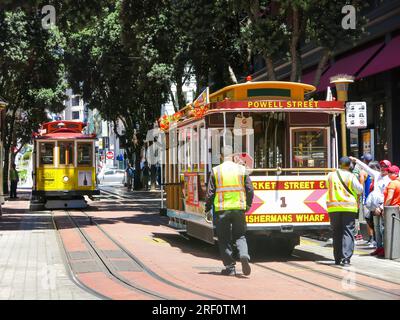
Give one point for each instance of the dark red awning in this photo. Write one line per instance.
(387, 59)
(349, 65)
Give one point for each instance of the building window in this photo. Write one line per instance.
(75, 115)
(85, 154)
(75, 101)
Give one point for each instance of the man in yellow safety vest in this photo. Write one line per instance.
(230, 193)
(342, 205)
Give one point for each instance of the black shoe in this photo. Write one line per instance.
(338, 262)
(245, 265)
(229, 271)
(345, 263)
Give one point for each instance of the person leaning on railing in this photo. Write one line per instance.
(391, 197)
(381, 181)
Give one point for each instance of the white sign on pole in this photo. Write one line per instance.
(356, 115)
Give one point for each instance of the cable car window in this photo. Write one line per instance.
(85, 154)
(269, 140)
(46, 153)
(309, 148)
(66, 152)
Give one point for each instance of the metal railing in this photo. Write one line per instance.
(392, 232)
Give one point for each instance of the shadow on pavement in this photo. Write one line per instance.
(257, 250)
(16, 216)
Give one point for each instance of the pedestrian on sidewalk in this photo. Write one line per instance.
(14, 178)
(130, 173)
(146, 175)
(230, 195)
(375, 199)
(391, 198)
(392, 191)
(342, 204)
(369, 211)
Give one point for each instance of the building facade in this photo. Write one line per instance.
(108, 151)
(189, 91)
(375, 64)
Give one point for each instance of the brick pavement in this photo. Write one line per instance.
(31, 261)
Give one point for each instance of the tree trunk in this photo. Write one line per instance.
(294, 46)
(270, 68)
(6, 169)
(232, 75)
(174, 103)
(179, 91)
(138, 172)
(321, 66)
(8, 137)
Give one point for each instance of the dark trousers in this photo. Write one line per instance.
(231, 228)
(343, 226)
(13, 188)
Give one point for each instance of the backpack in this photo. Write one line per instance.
(131, 172)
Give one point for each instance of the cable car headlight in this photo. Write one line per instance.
(66, 179)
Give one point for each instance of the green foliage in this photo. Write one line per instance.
(121, 82)
(31, 74)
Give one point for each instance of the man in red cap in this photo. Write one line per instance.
(392, 191)
(391, 196)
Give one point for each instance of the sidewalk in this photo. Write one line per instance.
(32, 265)
(362, 262)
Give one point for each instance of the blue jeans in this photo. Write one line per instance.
(379, 229)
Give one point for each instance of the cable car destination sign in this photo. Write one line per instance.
(280, 104)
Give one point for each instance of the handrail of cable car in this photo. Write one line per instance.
(298, 170)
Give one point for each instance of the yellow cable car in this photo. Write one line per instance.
(64, 168)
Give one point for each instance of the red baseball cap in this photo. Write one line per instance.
(385, 163)
(394, 170)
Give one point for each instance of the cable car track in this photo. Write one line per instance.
(306, 281)
(113, 273)
(332, 276)
(121, 197)
(359, 283)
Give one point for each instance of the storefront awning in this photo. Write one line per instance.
(349, 65)
(308, 77)
(387, 59)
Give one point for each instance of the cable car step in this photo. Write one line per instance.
(66, 204)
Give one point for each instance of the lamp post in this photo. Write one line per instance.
(342, 82)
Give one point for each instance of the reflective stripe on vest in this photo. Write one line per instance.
(230, 187)
(338, 198)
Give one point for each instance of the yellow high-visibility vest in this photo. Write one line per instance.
(338, 199)
(230, 187)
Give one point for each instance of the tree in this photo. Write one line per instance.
(31, 76)
(279, 29)
(120, 81)
(326, 31)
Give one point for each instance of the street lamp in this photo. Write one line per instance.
(342, 82)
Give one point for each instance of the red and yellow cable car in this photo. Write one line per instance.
(64, 166)
(288, 144)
